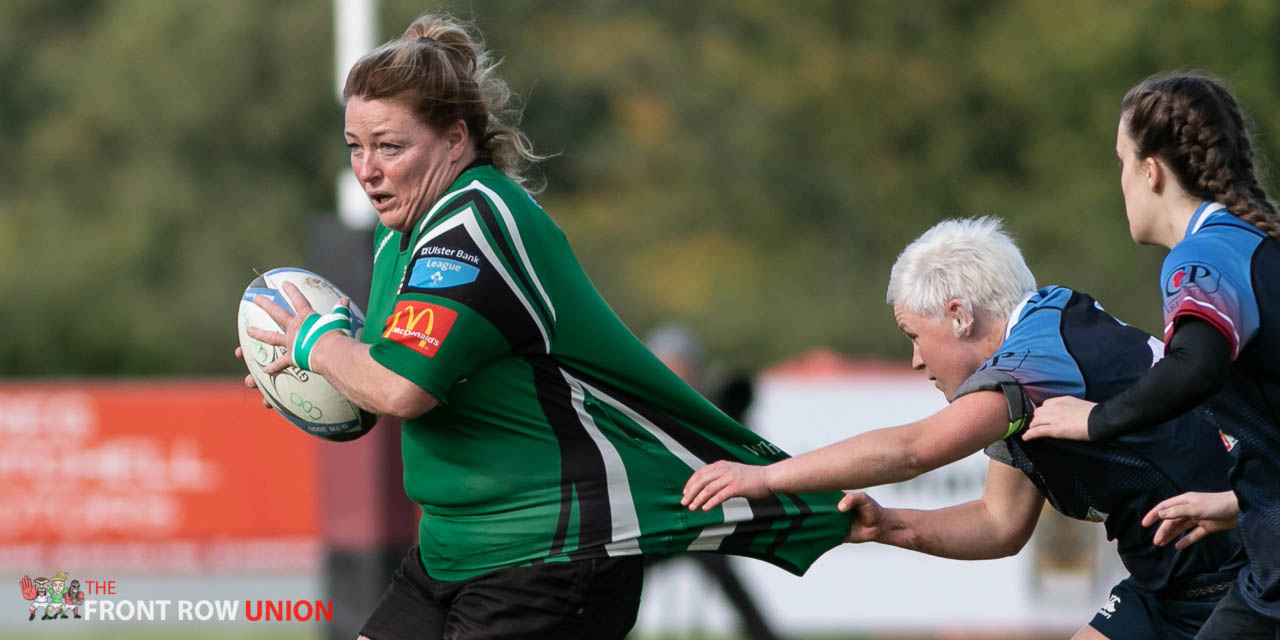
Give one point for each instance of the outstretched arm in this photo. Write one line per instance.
(995, 526)
(877, 457)
(1194, 368)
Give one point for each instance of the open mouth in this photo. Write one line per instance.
(380, 199)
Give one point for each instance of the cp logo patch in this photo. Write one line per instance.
(1198, 274)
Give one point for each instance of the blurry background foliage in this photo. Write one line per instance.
(751, 167)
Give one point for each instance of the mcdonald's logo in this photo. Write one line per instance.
(421, 326)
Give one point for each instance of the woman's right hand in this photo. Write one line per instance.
(721, 480)
(1200, 514)
(868, 517)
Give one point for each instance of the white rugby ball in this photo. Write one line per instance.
(304, 398)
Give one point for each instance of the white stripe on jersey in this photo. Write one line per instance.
(1157, 349)
(1211, 210)
(444, 199)
(1017, 311)
(468, 221)
(382, 244)
(622, 509)
(421, 224)
(735, 509)
(515, 237)
(713, 536)
(1156, 345)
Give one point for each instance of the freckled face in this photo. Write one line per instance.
(403, 165)
(936, 350)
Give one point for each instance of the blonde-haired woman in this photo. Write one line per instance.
(996, 346)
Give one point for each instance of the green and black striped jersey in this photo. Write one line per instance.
(559, 435)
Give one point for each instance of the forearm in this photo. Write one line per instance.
(1193, 370)
(964, 532)
(897, 453)
(345, 362)
(873, 458)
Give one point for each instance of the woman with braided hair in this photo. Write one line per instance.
(1189, 184)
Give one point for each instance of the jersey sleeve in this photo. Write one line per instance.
(1206, 276)
(1020, 406)
(1029, 368)
(468, 295)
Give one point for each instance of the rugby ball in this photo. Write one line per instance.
(304, 398)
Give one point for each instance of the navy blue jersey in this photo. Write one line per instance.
(1227, 272)
(1060, 342)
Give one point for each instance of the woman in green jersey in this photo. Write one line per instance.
(542, 440)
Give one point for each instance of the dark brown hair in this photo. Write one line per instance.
(1193, 123)
(441, 71)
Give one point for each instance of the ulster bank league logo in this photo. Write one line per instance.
(55, 598)
(421, 326)
(441, 273)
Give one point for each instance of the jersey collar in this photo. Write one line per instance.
(458, 185)
(1017, 313)
(1206, 210)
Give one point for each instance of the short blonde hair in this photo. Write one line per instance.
(971, 259)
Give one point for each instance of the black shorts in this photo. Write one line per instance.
(594, 598)
(1132, 612)
(1235, 619)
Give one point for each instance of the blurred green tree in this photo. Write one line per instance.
(158, 152)
(749, 167)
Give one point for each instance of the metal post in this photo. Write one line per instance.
(353, 36)
(367, 523)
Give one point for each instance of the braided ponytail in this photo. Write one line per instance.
(1255, 206)
(1195, 125)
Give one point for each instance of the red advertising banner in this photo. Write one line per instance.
(154, 476)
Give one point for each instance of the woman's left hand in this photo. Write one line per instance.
(1064, 417)
(289, 324)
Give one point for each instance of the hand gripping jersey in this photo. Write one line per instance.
(1060, 342)
(559, 435)
(1227, 272)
